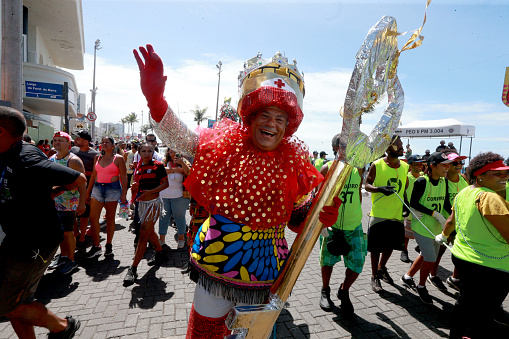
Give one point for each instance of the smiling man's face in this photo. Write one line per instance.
(268, 128)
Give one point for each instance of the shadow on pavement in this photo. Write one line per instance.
(101, 268)
(359, 327)
(55, 286)
(149, 291)
(431, 316)
(285, 326)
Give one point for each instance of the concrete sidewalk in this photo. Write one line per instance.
(158, 305)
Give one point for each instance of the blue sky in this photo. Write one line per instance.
(458, 71)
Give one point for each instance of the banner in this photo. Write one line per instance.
(505, 91)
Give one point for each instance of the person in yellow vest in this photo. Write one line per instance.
(456, 181)
(480, 252)
(428, 202)
(314, 157)
(505, 193)
(348, 227)
(386, 232)
(320, 161)
(415, 163)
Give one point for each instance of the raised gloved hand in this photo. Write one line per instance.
(441, 239)
(386, 190)
(329, 214)
(152, 81)
(440, 218)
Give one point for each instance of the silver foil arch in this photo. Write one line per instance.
(373, 76)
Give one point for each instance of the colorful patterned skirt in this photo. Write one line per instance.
(233, 261)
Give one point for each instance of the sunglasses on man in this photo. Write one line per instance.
(456, 163)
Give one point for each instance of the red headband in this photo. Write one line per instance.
(492, 166)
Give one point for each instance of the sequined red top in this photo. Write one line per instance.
(232, 178)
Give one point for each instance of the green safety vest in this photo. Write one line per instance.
(319, 163)
(389, 207)
(350, 212)
(507, 191)
(454, 188)
(477, 240)
(433, 198)
(410, 188)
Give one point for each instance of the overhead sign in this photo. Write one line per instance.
(91, 116)
(44, 90)
(210, 123)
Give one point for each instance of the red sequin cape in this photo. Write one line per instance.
(231, 177)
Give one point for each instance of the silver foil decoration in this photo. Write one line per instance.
(373, 76)
(175, 134)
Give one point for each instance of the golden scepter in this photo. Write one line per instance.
(374, 75)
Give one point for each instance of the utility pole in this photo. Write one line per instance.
(94, 89)
(219, 64)
(12, 53)
(66, 107)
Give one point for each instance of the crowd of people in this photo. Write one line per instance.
(79, 182)
(429, 201)
(243, 197)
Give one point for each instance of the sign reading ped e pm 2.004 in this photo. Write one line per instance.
(44, 90)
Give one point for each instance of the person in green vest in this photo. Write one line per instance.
(480, 252)
(428, 202)
(320, 161)
(505, 193)
(386, 232)
(314, 157)
(348, 226)
(415, 163)
(456, 181)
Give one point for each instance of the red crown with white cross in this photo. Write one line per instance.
(271, 82)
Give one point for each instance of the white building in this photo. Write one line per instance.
(115, 130)
(52, 39)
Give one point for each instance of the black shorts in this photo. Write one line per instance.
(386, 235)
(67, 219)
(20, 276)
(85, 214)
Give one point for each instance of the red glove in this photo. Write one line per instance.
(152, 81)
(329, 214)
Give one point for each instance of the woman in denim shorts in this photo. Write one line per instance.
(104, 191)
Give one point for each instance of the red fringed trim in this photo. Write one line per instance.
(200, 327)
(299, 213)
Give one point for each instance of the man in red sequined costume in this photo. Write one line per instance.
(252, 178)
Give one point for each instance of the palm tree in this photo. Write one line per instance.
(145, 129)
(131, 120)
(123, 121)
(199, 114)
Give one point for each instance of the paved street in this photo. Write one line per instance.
(159, 304)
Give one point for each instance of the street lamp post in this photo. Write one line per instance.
(219, 64)
(94, 89)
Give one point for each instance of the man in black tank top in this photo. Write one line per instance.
(87, 155)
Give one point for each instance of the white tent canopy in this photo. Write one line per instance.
(443, 128)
